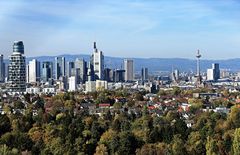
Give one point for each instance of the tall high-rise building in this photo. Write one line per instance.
(70, 69)
(33, 71)
(81, 70)
(90, 72)
(129, 70)
(17, 68)
(60, 67)
(118, 75)
(175, 75)
(214, 72)
(72, 83)
(47, 71)
(2, 69)
(6, 67)
(107, 72)
(27, 73)
(98, 63)
(144, 74)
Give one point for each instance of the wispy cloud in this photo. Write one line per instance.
(127, 25)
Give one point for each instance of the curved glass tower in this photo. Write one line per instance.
(18, 47)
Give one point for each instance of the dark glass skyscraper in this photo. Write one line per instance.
(144, 74)
(47, 71)
(60, 67)
(2, 69)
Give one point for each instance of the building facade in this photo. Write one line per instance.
(2, 69)
(213, 73)
(70, 69)
(118, 75)
(60, 67)
(98, 63)
(47, 71)
(17, 69)
(144, 74)
(33, 71)
(129, 70)
(72, 83)
(81, 70)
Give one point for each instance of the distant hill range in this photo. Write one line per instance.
(155, 64)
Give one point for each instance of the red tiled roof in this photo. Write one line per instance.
(104, 105)
(151, 107)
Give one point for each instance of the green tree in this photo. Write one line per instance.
(18, 140)
(154, 149)
(117, 105)
(178, 145)
(234, 116)
(176, 91)
(127, 143)
(5, 150)
(195, 144)
(236, 142)
(211, 146)
(19, 105)
(5, 125)
(138, 97)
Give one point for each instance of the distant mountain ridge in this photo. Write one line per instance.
(154, 64)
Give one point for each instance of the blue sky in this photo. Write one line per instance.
(126, 28)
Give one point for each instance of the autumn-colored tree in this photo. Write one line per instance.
(101, 150)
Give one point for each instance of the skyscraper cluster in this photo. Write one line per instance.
(62, 73)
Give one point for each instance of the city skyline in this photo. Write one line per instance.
(160, 29)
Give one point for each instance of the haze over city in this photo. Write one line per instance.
(123, 28)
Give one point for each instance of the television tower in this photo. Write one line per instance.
(198, 56)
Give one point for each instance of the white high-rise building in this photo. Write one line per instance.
(210, 75)
(17, 69)
(98, 63)
(72, 83)
(129, 70)
(33, 71)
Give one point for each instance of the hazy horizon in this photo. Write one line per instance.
(89, 54)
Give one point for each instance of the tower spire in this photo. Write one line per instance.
(95, 45)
